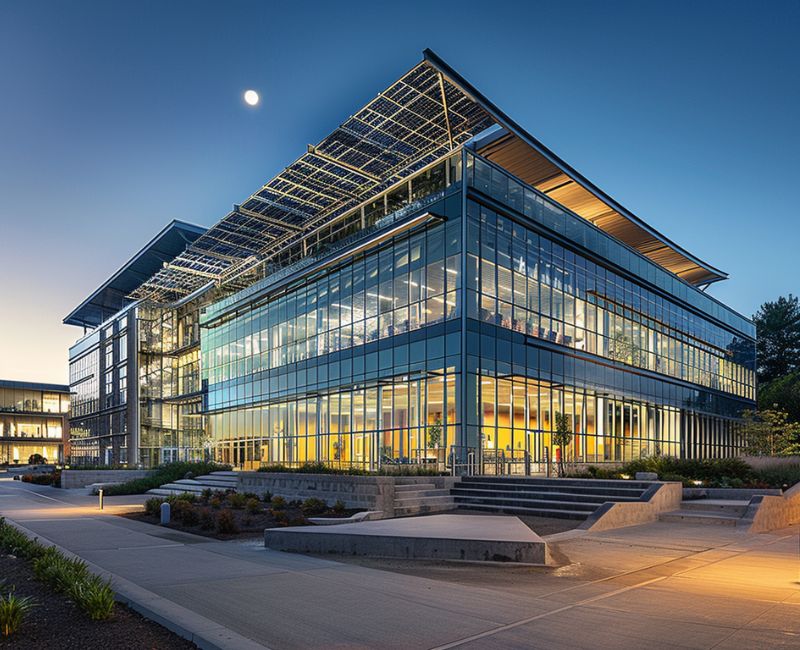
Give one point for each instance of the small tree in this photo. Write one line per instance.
(435, 434)
(36, 459)
(769, 433)
(562, 438)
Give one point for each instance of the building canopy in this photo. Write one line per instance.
(426, 114)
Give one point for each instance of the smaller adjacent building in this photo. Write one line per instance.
(33, 420)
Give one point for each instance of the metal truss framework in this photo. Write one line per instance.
(414, 122)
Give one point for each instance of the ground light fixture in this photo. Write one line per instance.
(251, 97)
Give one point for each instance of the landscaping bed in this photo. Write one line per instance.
(714, 473)
(229, 515)
(49, 600)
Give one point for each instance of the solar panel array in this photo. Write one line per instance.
(414, 122)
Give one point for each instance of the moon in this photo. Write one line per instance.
(251, 97)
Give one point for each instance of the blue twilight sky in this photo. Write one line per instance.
(116, 117)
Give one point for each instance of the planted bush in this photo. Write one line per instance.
(95, 597)
(313, 506)
(253, 506)
(236, 500)
(226, 523)
(13, 610)
(278, 503)
(153, 506)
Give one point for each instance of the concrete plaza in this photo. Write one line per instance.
(661, 585)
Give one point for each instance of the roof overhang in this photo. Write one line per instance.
(521, 154)
(427, 113)
(113, 294)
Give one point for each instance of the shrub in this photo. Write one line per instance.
(226, 523)
(40, 479)
(36, 459)
(339, 506)
(190, 516)
(779, 477)
(237, 501)
(267, 496)
(205, 495)
(206, 519)
(153, 506)
(278, 503)
(13, 610)
(253, 505)
(313, 506)
(95, 597)
(58, 571)
(250, 495)
(280, 517)
(215, 502)
(298, 520)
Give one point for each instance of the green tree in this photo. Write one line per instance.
(435, 434)
(562, 438)
(782, 394)
(778, 345)
(770, 433)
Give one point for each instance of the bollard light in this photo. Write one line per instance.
(100, 495)
(165, 513)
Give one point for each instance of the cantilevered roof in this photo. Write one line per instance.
(114, 293)
(428, 112)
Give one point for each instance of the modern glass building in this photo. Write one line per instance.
(33, 420)
(431, 284)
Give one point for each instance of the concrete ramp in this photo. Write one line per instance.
(436, 537)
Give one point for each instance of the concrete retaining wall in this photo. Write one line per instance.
(368, 492)
(78, 478)
(660, 497)
(774, 512)
(736, 494)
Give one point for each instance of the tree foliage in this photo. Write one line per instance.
(562, 438)
(770, 433)
(778, 346)
(782, 394)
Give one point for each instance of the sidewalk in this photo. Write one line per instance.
(660, 585)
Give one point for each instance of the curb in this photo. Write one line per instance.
(203, 632)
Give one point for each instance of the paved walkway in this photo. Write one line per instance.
(660, 586)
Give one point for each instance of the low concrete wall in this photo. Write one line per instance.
(78, 478)
(369, 492)
(774, 512)
(660, 497)
(735, 494)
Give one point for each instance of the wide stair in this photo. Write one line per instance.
(216, 481)
(720, 512)
(420, 499)
(543, 497)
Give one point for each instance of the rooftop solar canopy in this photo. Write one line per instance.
(114, 293)
(428, 112)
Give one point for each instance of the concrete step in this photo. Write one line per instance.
(211, 479)
(505, 501)
(558, 513)
(585, 482)
(413, 487)
(716, 506)
(433, 492)
(439, 499)
(591, 497)
(699, 517)
(563, 488)
(423, 509)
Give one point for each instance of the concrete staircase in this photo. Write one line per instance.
(215, 481)
(720, 512)
(421, 498)
(543, 497)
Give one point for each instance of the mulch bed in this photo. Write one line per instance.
(248, 524)
(58, 623)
